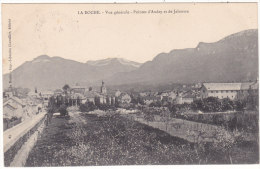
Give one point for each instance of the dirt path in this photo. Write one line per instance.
(75, 117)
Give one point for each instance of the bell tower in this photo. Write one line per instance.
(103, 89)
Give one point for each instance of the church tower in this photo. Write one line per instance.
(103, 89)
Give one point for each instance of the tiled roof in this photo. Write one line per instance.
(47, 92)
(78, 87)
(17, 100)
(246, 86)
(222, 86)
(188, 94)
(231, 86)
(10, 104)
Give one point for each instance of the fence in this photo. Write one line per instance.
(15, 137)
(237, 120)
(181, 128)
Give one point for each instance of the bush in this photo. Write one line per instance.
(213, 104)
(88, 106)
(63, 110)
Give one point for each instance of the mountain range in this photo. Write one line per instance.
(233, 58)
(47, 72)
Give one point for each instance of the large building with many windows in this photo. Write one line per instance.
(233, 91)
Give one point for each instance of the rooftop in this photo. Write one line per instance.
(230, 86)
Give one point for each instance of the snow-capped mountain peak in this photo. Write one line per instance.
(109, 61)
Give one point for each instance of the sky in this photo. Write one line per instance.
(58, 29)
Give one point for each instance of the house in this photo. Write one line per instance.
(102, 96)
(16, 101)
(8, 93)
(150, 99)
(77, 89)
(143, 94)
(90, 96)
(58, 92)
(172, 95)
(45, 95)
(233, 91)
(13, 107)
(77, 98)
(10, 110)
(187, 97)
(33, 106)
(33, 94)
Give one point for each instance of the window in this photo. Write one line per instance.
(211, 91)
(216, 91)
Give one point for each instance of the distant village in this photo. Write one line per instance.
(19, 104)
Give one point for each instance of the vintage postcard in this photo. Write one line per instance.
(130, 84)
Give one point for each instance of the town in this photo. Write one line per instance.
(237, 96)
(201, 106)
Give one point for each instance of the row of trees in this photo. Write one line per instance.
(210, 104)
(90, 106)
(137, 99)
(239, 120)
(213, 104)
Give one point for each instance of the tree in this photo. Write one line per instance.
(116, 102)
(166, 117)
(227, 104)
(63, 110)
(225, 141)
(197, 105)
(173, 108)
(83, 107)
(240, 105)
(148, 117)
(78, 101)
(66, 88)
(88, 106)
(108, 101)
(97, 101)
(112, 102)
(140, 100)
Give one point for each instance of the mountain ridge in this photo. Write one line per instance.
(236, 56)
(59, 71)
(232, 58)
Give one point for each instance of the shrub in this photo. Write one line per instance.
(63, 110)
(88, 106)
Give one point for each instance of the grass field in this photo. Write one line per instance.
(83, 139)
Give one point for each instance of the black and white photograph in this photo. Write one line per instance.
(124, 84)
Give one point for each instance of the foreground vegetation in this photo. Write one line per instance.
(115, 140)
